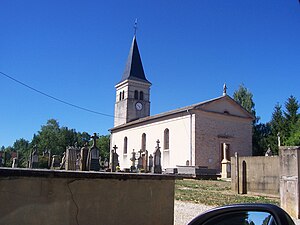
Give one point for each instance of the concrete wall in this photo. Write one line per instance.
(256, 175)
(289, 180)
(58, 197)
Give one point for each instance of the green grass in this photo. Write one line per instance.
(215, 193)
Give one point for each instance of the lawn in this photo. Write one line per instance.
(214, 193)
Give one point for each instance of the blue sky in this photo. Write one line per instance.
(76, 51)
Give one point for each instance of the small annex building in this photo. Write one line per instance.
(194, 135)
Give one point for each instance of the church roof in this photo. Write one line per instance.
(134, 68)
(197, 106)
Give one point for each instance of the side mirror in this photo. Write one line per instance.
(244, 214)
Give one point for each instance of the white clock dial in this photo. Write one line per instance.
(139, 106)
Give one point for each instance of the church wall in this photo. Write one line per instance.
(213, 129)
(179, 140)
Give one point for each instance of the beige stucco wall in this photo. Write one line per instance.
(261, 175)
(213, 129)
(60, 198)
(179, 134)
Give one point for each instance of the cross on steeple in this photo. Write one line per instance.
(135, 27)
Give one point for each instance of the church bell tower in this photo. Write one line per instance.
(133, 91)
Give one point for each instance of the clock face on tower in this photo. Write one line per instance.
(139, 106)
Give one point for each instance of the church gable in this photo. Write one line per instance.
(225, 105)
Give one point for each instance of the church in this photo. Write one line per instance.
(194, 135)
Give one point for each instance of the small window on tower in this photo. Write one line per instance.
(141, 95)
(123, 94)
(136, 94)
(120, 96)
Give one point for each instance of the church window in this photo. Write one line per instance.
(123, 94)
(141, 95)
(125, 145)
(166, 138)
(120, 96)
(143, 147)
(136, 94)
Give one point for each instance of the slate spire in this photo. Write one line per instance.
(134, 68)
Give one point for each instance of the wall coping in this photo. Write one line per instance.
(22, 172)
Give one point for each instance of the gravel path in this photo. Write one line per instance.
(184, 212)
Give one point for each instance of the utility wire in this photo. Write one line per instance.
(54, 98)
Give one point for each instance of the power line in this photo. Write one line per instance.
(54, 98)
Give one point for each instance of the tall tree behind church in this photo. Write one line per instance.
(260, 131)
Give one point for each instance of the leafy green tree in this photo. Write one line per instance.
(259, 131)
(22, 147)
(245, 98)
(48, 138)
(291, 117)
(294, 139)
(103, 144)
(260, 136)
(83, 138)
(277, 127)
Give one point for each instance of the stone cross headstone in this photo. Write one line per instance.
(114, 159)
(84, 157)
(132, 159)
(157, 159)
(94, 155)
(140, 160)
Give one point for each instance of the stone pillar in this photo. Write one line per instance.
(289, 180)
(226, 172)
(84, 157)
(71, 158)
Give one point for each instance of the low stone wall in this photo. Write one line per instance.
(259, 174)
(66, 197)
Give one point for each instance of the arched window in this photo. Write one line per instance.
(125, 145)
(143, 147)
(166, 138)
(141, 95)
(123, 94)
(136, 94)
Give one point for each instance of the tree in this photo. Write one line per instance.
(260, 138)
(22, 147)
(291, 117)
(48, 138)
(260, 131)
(294, 139)
(103, 144)
(245, 98)
(277, 127)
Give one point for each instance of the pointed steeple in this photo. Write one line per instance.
(134, 68)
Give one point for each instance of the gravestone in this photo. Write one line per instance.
(226, 170)
(140, 160)
(63, 162)
(34, 162)
(151, 163)
(55, 163)
(145, 160)
(84, 158)
(94, 155)
(114, 159)
(15, 163)
(71, 157)
(133, 158)
(157, 159)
